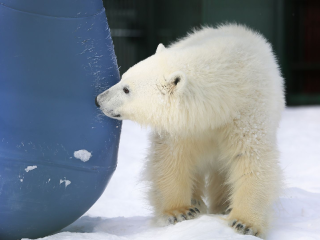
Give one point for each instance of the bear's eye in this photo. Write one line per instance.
(126, 90)
(176, 80)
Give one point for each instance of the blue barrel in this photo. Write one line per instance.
(57, 151)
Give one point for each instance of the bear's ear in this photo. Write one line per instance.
(160, 48)
(177, 81)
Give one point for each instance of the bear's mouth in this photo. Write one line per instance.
(111, 114)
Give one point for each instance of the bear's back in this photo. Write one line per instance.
(223, 34)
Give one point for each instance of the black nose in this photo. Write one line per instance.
(96, 101)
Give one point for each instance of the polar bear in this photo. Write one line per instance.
(214, 101)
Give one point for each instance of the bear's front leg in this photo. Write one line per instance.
(171, 172)
(255, 183)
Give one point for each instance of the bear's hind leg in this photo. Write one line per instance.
(198, 193)
(218, 193)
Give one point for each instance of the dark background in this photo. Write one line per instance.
(292, 27)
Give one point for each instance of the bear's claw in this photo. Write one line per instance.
(199, 205)
(172, 220)
(242, 228)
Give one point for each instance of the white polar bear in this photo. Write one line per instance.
(214, 101)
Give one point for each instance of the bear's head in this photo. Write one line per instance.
(165, 92)
(149, 93)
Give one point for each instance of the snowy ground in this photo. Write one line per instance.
(122, 213)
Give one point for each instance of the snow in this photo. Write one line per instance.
(30, 168)
(122, 212)
(83, 155)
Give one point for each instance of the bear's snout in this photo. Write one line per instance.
(96, 101)
(101, 96)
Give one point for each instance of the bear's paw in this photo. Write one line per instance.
(242, 228)
(178, 215)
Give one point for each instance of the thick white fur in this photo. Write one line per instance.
(214, 100)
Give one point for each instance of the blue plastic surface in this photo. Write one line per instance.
(56, 56)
